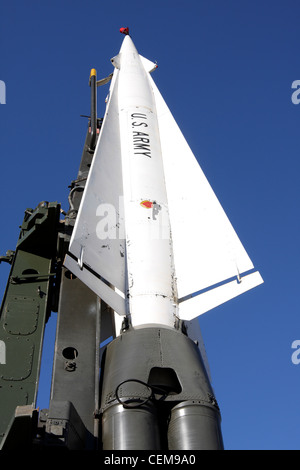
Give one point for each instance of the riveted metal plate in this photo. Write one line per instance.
(21, 315)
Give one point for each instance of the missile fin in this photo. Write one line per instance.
(104, 291)
(212, 298)
(98, 241)
(116, 61)
(206, 248)
(148, 65)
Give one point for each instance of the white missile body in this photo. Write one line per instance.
(151, 238)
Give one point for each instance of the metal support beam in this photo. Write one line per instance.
(77, 355)
(25, 308)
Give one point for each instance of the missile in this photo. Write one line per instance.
(153, 242)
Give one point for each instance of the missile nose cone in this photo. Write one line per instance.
(128, 47)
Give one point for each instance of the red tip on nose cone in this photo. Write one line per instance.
(124, 30)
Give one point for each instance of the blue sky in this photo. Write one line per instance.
(226, 71)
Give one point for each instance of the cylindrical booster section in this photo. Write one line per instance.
(137, 364)
(195, 426)
(130, 428)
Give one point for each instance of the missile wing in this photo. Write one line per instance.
(151, 238)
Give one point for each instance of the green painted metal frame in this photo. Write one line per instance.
(26, 306)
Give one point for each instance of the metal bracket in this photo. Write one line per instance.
(29, 277)
(8, 258)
